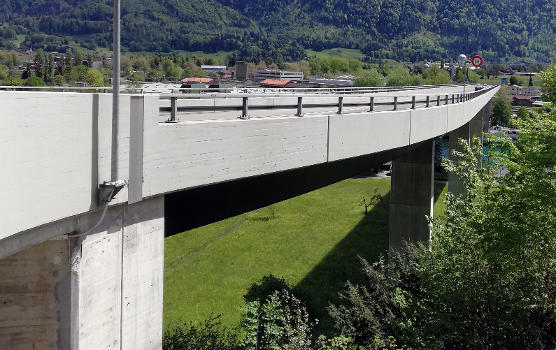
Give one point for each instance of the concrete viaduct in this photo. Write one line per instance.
(81, 274)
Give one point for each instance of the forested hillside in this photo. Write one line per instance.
(408, 30)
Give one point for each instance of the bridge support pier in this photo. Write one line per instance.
(103, 291)
(412, 195)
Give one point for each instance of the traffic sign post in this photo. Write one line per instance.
(477, 61)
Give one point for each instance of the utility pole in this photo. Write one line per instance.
(115, 90)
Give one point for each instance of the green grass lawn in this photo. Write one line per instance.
(312, 240)
(537, 81)
(346, 53)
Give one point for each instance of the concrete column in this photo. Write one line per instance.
(412, 195)
(103, 291)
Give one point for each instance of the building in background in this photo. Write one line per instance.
(241, 70)
(277, 74)
(215, 69)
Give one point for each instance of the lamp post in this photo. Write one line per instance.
(115, 89)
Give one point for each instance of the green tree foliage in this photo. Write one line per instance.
(489, 279)
(402, 77)
(459, 76)
(522, 113)
(549, 83)
(435, 76)
(473, 77)
(514, 80)
(209, 335)
(408, 30)
(34, 81)
(501, 112)
(93, 77)
(278, 322)
(3, 72)
(333, 65)
(369, 78)
(13, 81)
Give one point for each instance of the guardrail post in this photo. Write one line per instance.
(395, 103)
(299, 106)
(413, 102)
(173, 110)
(428, 101)
(438, 100)
(372, 104)
(340, 105)
(245, 108)
(453, 99)
(446, 99)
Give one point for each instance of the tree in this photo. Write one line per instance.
(40, 63)
(488, 280)
(68, 64)
(369, 78)
(435, 76)
(34, 81)
(402, 77)
(522, 113)
(501, 112)
(549, 84)
(459, 76)
(472, 76)
(93, 77)
(515, 80)
(3, 74)
(280, 321)
(13, 81)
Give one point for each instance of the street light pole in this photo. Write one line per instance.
(115, 89)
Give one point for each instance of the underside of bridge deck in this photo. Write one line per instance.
(185, 210)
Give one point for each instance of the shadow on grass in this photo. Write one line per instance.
(369, 240)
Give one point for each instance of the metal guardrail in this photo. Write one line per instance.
(240, 89)
(437, 99)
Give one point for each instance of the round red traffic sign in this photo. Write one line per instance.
(477, 61)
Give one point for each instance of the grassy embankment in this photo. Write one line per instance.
(312, 241)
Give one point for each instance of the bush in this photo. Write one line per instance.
(208, 335)
(279, 322)
(265, 287)
(402, 77)
(369, 78)
(34, 81)
(489, 279)
(436, 76)
(13, 81)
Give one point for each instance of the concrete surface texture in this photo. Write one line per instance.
(412, 195)
(103, 291)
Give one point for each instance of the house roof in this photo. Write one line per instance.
(275, 82)
(196, 80)
(522, 97)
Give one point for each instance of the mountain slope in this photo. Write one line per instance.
(281, 29)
